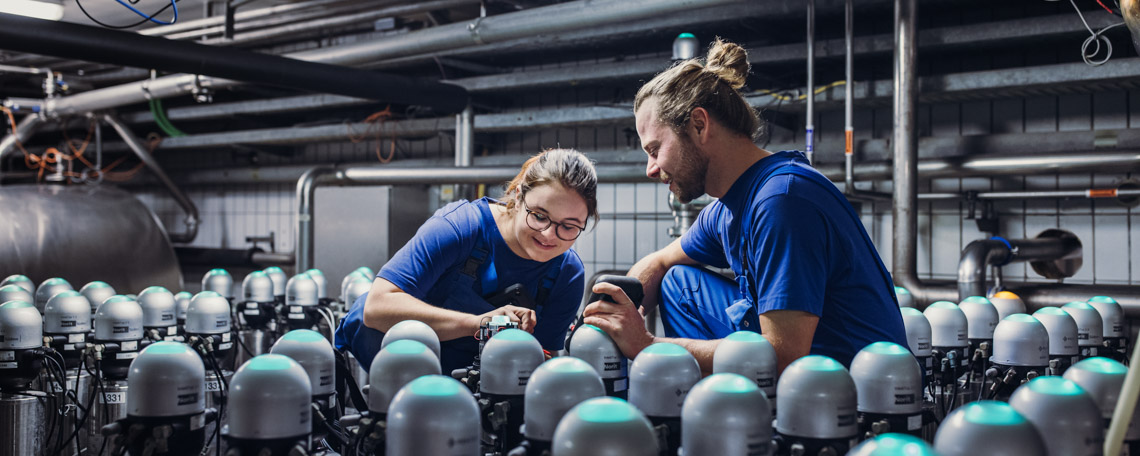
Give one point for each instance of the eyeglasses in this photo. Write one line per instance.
(540, 222)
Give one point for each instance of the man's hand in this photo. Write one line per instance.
(521, 315)
(620, 319)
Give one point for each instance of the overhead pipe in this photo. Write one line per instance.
(151, 163)
(384, 175)
(123, 48)
(549, 19)
(25, 128)
(293, 16)
(980, 254)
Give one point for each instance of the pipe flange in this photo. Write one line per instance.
(1060, 268)
(1128, 200)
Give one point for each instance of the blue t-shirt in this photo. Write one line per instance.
(795, 243)
(431, 264)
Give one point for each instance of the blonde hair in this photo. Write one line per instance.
(713, 85)
(567, 167)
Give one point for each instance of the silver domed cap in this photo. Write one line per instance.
(270, 398)
(322, 283)
(604, 426)
(314, 353)
(349, 279)
(592, 345)
(20, 325)
(508, 359)
(67, 313)
(987, 427)
(209, 313)
(257, 287)
(1090, 327)
(396, 365)
(97, 292)
(1111, 314)
(414, 330)
(981, 317)
(1065, 416)
(948, 325)
(824, 396)
(279, 280)
(748, 354)
(1103, 378)
(15, 293)
(159, 308)
(905, 298)
(556, 387)
(119, 318)
(660, 378)
(49, 288)
(167, 379)
(888, 379)
(1062, 331)
(21, 281)
(355, 290)
(182, 302)
(726, 414)
(1021, 340)
(301, 291)
(433, 415)
(918, 332)
(219, 281)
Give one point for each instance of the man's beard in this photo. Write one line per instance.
(689, 180)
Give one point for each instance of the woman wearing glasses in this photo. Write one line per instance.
(469, 252)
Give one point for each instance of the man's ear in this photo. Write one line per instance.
(699, 125)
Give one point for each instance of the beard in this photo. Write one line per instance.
(689, 179)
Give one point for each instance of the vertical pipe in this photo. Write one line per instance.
(810, 150)
(849, 102)
(306, 195)
(465, 137)
(905, 144)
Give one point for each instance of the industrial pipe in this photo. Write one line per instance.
(24, 130)
(382, 175)
(849, 100)
(809, 151)
(465, 137)
(145, 156)
(64, 39)
(982, 253)
(252, 257)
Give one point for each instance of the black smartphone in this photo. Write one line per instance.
(514, 295)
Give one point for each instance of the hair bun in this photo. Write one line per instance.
(729, 62)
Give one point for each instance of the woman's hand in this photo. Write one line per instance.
(521, 315)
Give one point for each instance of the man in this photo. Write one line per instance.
(807, 275)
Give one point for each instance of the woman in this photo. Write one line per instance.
(470, 251)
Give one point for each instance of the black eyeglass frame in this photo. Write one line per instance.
(532, 217)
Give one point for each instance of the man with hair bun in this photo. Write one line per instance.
(807, 275)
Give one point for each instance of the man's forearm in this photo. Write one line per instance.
(702, 350)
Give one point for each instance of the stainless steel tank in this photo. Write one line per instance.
(21, 425)
(75, 232)
(110, 405)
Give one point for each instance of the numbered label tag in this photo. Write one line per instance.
(130, 346)
(113, 398)
(213, 385)
(130, 355)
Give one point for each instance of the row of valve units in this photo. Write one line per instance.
(94, 372)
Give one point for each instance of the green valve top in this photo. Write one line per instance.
(687, 35)
(606, 410)
(567, 365)
(992, 413)
(1079, 305)
(732, 383)
(117, 298)
(17, 278)
(1103, 299)
(406, 347)
(943, 305)
(818, 363)
(1101, 365)
(208, 294)
(218, 271)
(56, 281)
(887, 348)
(155, 289)
(97, 284)
(514, 334)
(366, 271)
(303, 335)
(168, 348)
(901, 291)
(896, 445)
(1050, 311)
(435, 385)
(67, 294)
(258, 274)
(15, 305)
(1021, 318)
(745, 336)
(314, 272)
(910, 311)
(274, 269)
(270, 362)
(1055, 386)
(977, 299)
(666, 349)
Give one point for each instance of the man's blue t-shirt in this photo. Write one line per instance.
(433, 261)
(795, 243)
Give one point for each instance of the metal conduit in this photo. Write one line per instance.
(544, 20)
(145, 156)
(24, 130)
(979, 255)
(375, 175)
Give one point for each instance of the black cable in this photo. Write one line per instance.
(86, 411)
(99, 385)
(121, 27)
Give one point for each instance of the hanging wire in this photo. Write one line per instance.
(1095, 37)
